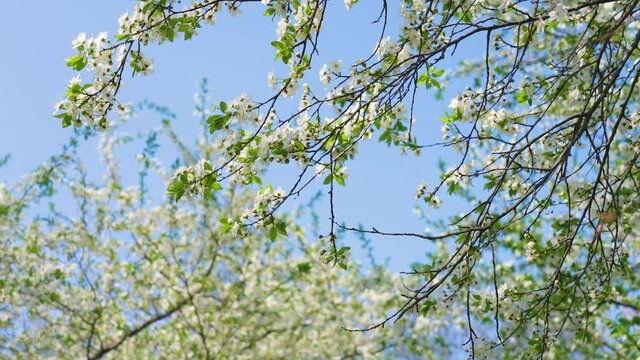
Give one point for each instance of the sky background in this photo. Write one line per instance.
(235, 56)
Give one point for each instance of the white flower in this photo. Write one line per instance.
(282, 27)
(242, 104)
(79, 40)
(342, 172)
(321, 168)
(235, 228)
(559, 12)
(463, 103)
(102, 37)
(335, 66)
(58, 106)
(531, 251)
(434, 201)
(421, 190)
(405, 53)
(303, 120)
(123, 22)
(75, 80)
(454, 103)
(349, 3)
(386, 46)
(324, 75)
(419, 5)
(271, 79)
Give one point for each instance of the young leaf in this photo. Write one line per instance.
(77, 62)
(273, 233)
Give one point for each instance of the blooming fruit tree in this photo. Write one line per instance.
(544, 143)
(117, 274)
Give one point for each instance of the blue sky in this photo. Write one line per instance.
(235, 55)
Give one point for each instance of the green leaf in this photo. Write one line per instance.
(4, 210)
(148, 7)
(427, 79)
(168, 32)
(385, 137)
(424, 79)
(426, 306)
(522, 96)
(327, 180)
(66, 121)
(304, 267)
(451, 118)
(123, 37)
(273, 233)
(54, 297)
(278, 45)
(32, 249)
(281, 227)
(58, 274)
(77, 62)
(343, 250)
(176, 190)
(217, 122)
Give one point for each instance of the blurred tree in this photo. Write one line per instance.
(118, 275)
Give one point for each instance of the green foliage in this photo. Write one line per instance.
(77, 62)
